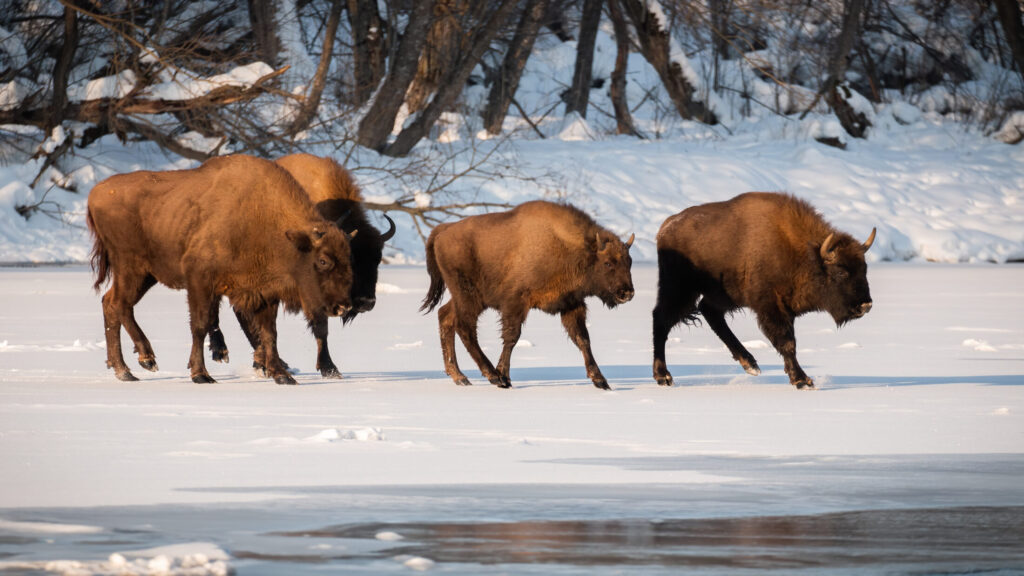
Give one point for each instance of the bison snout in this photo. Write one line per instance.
(365, 304)
(624, 295)
(862, 309)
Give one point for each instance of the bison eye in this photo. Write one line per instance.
(324, 264)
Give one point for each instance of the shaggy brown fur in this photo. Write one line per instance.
(337, 198)
(237, 226)
(771, 253)
(538, 255)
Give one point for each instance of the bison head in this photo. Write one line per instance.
(367, 252)
(614, 284)
(846, 294)
(325, 271)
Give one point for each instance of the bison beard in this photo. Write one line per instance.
(539, 255)
(771, 253)
(338, 199)
(236, 226)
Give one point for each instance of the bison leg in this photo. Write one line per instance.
(716, 320)
(265, 322)
(575, 322)
(465, 327)
(201, 301)
(112, 330)
(778, 327)
(324, 363)
(446, 327)
(218, 347)
(672, 307)
(511, 328)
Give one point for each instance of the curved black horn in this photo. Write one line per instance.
(391, 230)
(341, 219)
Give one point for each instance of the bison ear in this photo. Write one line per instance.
(300, 239)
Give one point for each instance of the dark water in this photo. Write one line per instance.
(971, 540)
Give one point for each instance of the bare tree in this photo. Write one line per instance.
(367, 47)
(578, 97)
(835, 92)
(378, 122)
(445, 41)
(62, 69)
(312, 99)
(454, 80)
(506, 78)
(617, 90)
(1010, 18)
(263, 19)
(655, 44)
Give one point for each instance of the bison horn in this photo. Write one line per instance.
(826, 246)
(391, 230)
(353, 234)
(871, 240)
(341, 219)
(630, 241)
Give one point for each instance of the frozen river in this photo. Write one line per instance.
(909, 459)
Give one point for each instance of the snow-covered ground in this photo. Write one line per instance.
(920, 407)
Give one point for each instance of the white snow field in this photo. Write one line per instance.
(909, 457)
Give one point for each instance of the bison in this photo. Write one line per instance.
(236, 226)
(337, 198)
(539, 255)
(769, 252)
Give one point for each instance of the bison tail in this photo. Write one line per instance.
(437, 287)
(100, 258)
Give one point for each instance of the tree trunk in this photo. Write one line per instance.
(62, 69)
(579, 93)
(1013, 29)
(617, 90)
(263, 19)
(379, 121)
(368, 47)
(451, 85)
(506, 81)
(312, 101)
(655, 44)
(445, 42)
(855, 123)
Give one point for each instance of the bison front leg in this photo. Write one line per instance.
(218, 347)
(324, 363)
(716, 320)
(200, 303)
(575, 322)
(778, 327)
(511, 328)
(446, 328)
(264, 323)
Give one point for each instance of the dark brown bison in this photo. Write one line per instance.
(337, 198)
(236, 226)
(538, 255)
(771, 253)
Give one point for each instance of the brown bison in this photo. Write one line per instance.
(538, 255)
(236, 226)
(337, 198)
(771, 253)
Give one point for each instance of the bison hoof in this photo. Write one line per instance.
(148, 364)
(330, 372)
(665, 380)
(462, 381)
(203, 379)
(809, 384)
(500, 381)
(220, 356)
(126, 376)
(285, 378)
(602, 384)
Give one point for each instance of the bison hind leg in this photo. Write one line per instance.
(446, 328)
